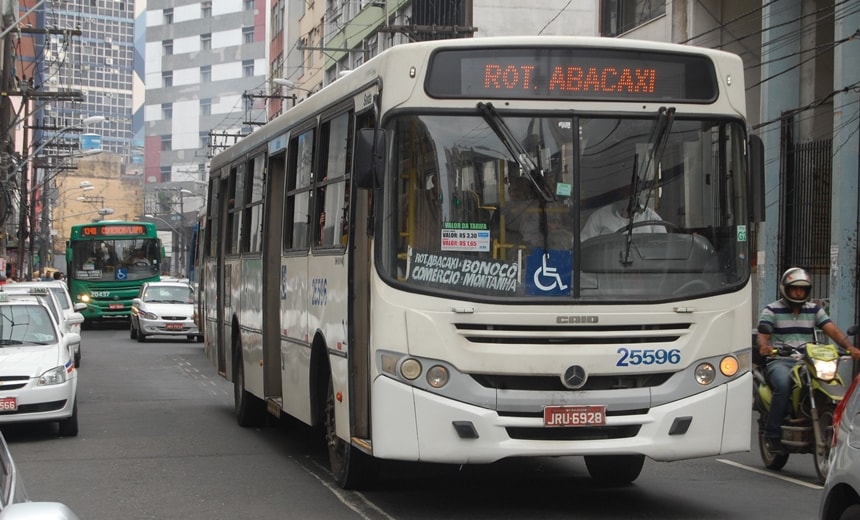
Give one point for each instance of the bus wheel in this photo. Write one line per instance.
(614, 470)
(350, 467)
(250, 410)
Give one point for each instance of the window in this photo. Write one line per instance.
(166, 111)
(206, 10)
(297, 207)
(206, 74)
(167, 78)
(332, 202)
(166, 142)
(206, 42)
(248, 34)
(205, 107)
(620, 16)
(247, 68)
(166, 174)
(168, 16)
(249, 5)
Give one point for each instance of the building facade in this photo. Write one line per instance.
(205, 68)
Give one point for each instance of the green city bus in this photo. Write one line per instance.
(107, 262)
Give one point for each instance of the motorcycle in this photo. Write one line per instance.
(817, 389)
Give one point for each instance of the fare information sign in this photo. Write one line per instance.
(571, 74)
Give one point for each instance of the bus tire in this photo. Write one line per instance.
(350, 467)
(614, 470)
(250, 410)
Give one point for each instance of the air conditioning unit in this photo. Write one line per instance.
(109, 61)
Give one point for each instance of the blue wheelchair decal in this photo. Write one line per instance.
(548, 272)
(121, 273)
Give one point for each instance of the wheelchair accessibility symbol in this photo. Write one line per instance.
(548, 273)
(121, 274)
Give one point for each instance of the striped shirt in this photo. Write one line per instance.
(791, 329)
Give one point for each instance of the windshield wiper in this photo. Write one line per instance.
(7, 342)
(657, 141)
(527, 166)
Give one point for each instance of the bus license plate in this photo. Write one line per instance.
(8, 404)
(115, 306)
(567, 416)
(173, 326)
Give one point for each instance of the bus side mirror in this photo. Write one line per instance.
(369, 157)
(756, 171)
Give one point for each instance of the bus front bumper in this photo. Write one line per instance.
(416, 425)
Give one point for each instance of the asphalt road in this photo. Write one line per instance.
(158, 439)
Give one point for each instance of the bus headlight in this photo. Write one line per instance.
(705, 374)
(437, 376)
(85, 298)
(410, 369)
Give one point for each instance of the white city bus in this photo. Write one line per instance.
(402, 257)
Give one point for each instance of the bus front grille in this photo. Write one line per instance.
(506, 334)
(573, 434)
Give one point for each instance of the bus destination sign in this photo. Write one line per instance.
(113, 230)
(571, 74)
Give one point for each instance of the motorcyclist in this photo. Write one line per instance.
(791, 321)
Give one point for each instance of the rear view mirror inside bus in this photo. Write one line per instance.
(369, 153)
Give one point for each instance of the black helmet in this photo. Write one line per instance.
(795, 277)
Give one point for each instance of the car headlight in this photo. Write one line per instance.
(55, 376)
(150, 315)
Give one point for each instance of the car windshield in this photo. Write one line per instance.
(25, 324)
(602, 209)
(127, 259)
(171, 294)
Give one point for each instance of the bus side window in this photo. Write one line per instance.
(331, 203)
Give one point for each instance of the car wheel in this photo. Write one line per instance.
(132, 331)
(78, 357)
(190, 338)
(69, 427)
(141, 337)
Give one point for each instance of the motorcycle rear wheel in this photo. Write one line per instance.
(771, 460)
(825, 422)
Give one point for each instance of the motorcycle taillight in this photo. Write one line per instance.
(840, 408)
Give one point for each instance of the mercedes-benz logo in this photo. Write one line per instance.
(574, 377)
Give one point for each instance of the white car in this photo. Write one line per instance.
(70, 309)
(68, 321)
(14, 503)
(164, 309)
(841, 497)
(37, 369)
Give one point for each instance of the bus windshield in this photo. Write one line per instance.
(115, 259)
(584, 207)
